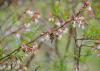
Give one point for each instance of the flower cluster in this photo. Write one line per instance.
(59, 22)
(27, 26)
(12, 63)
(52, 33)
(50, 17)
(28, 49)
(35, 15)
(87, 5)
(60, 31)
(80, 21)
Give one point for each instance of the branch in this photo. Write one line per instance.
(44, 33)
(8, 55)
(37, 68)
(87, 39)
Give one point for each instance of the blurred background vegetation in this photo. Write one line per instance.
(55, 56)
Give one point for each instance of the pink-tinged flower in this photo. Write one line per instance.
(89, 8)
(27, 27)
(81, 18)
(36, 20)
(35, 48)
(23, 46)
(81, 26)
(90, 11)
(37, 14)
(18, 35)
(60, 36)
(30, 12)
(47, 37)
(74, 24)
(85, 4)
(80, 21)
(57, 34)
(51, 19)
(35, 45)
(65, 30)
(58, 23)
(60, 30)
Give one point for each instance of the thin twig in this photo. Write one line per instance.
(37, 68)
(87, 39)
